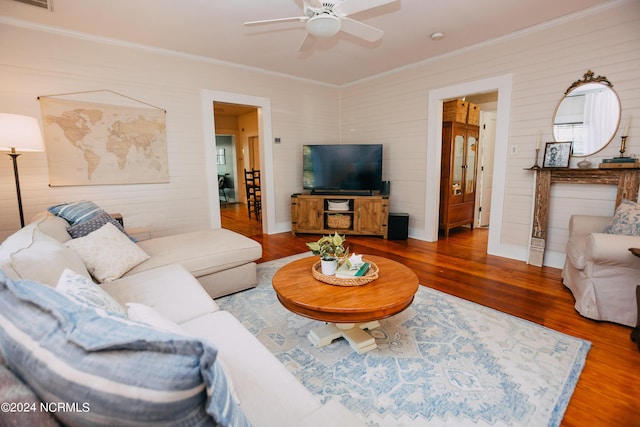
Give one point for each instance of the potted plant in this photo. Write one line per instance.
(331, 249)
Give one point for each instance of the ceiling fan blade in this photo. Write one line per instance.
(349, 7)
(269, 21)
(307, 43)
(360, 30)
(316, 4)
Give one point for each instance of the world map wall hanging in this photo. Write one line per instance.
(94, 143)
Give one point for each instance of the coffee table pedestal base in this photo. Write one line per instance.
(354, 333)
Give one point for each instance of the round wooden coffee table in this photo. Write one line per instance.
(347, 309)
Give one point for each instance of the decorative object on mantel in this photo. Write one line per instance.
(535, 164)
(622, 162)
(584, 164)
(625, 134)
(102, 137)
(557, 155)
(616, 163)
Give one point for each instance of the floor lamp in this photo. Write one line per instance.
(19, 133)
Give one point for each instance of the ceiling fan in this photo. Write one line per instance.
(326, 19)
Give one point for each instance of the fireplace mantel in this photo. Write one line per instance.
(627, 181)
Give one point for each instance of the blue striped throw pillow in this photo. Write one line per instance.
(17, 394)
(76, 212)
(105, 370)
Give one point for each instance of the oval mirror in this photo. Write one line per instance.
(588, 115)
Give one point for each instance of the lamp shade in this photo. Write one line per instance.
(20, 132)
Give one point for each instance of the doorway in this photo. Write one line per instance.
(238, 151)
(503, 86)
(470, 202)
(262, 108)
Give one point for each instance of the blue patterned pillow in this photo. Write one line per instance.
(84, 291)
(626, 219)
(81, 229)
(76, 212)
(114, 371)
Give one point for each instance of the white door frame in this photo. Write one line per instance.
(503, 84)
(265, 134)
(486, 152)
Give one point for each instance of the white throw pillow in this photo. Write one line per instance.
(150, 316)
(84, 291)
(107, 253)
(44, 260)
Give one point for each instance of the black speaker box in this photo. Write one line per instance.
(398, 226)
(386, 188)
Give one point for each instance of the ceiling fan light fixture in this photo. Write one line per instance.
(323, 26)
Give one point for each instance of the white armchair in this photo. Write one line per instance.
(600, 271)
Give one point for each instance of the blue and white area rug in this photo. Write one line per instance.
(443, 361)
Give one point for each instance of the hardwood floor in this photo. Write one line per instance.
(234, 216)
(608, 391)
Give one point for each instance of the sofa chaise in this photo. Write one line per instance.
(221, 260)
(40, 272)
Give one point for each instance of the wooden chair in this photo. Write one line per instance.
(252, 183)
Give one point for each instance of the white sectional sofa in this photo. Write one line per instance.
(221, 260)
(164, 284)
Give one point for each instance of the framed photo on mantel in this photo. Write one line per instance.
(557, 155)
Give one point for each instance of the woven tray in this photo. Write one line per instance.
(371, 275)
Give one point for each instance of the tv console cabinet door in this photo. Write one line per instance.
(306, 214)
(371, 216)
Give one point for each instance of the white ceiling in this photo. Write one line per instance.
(214, 29)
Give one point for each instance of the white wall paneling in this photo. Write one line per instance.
(36, 62)
(542, 63)
(395, 108)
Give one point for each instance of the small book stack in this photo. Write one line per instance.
(620, 163)
(346, 272)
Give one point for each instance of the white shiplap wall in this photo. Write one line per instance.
(544, 61)
(35, 63)
(391, 109)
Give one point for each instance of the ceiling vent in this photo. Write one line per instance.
(45, 4)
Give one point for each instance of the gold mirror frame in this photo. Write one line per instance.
(600, 126)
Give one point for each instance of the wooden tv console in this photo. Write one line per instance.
(366, 215)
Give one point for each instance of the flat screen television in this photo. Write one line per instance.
(342, 168)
